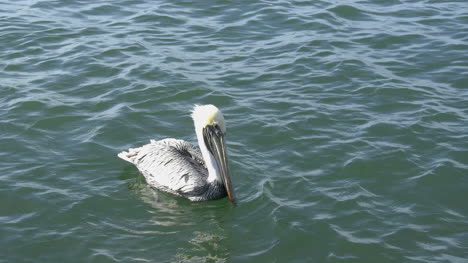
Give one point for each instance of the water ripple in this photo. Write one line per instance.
(347, 129)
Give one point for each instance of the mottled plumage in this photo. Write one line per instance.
(175, 166)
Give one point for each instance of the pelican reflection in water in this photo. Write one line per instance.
(175, 166)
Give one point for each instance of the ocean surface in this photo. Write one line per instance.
(347, 129)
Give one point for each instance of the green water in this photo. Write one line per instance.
(347, 129)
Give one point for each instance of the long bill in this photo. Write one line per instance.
(214, 139)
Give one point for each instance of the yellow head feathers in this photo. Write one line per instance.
(204, 115)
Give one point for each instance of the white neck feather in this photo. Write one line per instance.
(211, 165)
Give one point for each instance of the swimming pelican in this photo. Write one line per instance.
(175, 166)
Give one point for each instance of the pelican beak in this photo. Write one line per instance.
(214, 139)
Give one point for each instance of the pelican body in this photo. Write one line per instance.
(175, 166)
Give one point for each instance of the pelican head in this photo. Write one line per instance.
(210, 129)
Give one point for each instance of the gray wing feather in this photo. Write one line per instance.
(171, 165)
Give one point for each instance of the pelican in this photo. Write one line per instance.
(175, 166)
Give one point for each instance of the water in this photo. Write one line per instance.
(347, 129)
